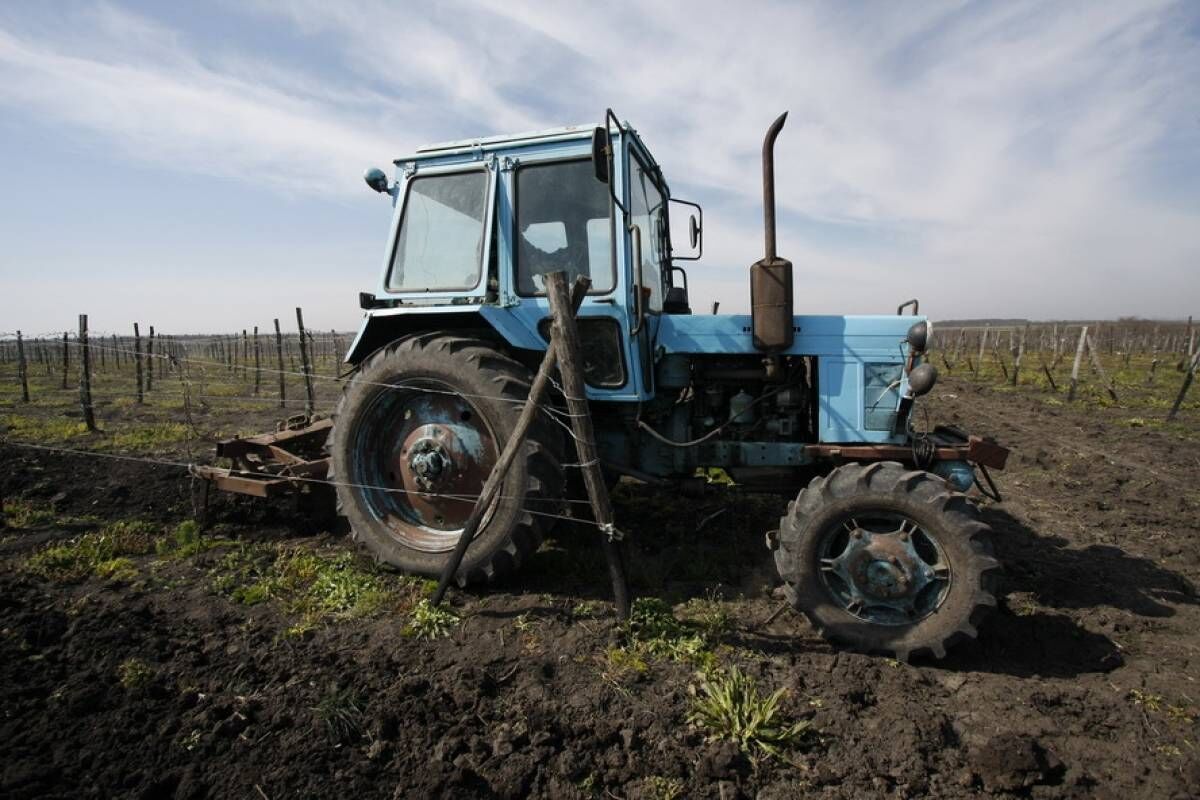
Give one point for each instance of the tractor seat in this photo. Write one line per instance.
(676, 301)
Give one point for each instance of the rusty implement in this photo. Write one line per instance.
(272, 464)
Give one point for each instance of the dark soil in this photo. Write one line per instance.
(1084, 684)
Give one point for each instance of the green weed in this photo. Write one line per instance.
(427, 621)
(23, 514)
(729, 706)
(656, 787)
(134, 673)
(102, 554)
(308, 583)
(341, 713)
(186, 541)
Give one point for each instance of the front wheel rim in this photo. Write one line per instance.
(883, 567)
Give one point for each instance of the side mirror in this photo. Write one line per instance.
(376, 179)
(601, 147)
(694, 232)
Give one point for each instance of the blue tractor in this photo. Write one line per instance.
(880, 547)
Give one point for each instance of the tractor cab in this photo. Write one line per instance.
(479, 223)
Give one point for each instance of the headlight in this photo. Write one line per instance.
(919, 335)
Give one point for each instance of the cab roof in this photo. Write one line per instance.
(509, 141)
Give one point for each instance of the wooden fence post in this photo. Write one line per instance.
(1075, 366)
(257, 362)
(305, 366)
(150, 360)
(1188, 377)
(66, 361)
(85, 375)
(570, 355)
(514, 445)
(279, 354)
(22, 369)
(1099, 368)
(982, 344)
(1018, 354)
(137, 360)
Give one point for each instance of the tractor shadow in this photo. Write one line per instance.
(1048, 590)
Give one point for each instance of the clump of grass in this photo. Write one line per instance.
(186, 541)
(656, 787)
(103, 554)
(654, 631)
(134, 673)
(729, 706)
(149, 436)
(710, 617)
(42, 429)
(622, 664)
(341, 713)
(427, 621)
(585, 609)
(24, 514)
(314, 585)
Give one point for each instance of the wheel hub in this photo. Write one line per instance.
(883, 573)
(430, 463)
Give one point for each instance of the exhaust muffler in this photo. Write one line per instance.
(771, 278)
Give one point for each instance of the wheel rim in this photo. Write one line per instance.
(420, 461)
(883, 568)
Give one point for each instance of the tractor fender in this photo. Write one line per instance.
(383, 326)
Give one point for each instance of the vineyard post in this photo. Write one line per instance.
(1099, 368)
(1075, 366)
(279, 355)
(1188, 340)
(22, 369)
(85, 376)
(66, 361)
(257, 362)
(150, 360)
(1187, 384)
(1153, 356)
(103, 360)
(116, 353)
(245, 352)
(1018, 354)
(306, 367)
(982, 344)
(137, 360)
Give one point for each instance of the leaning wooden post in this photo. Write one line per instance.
(137, 360)
(1187, 384)
(306, 367)
(514, 445)
(85, 375)
(279, 358)
(22, 369)
(570, 356)
(1099, 368)
(1075, 366)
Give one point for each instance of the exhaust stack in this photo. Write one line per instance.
(771, 278)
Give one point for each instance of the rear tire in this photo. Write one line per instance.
(884, 559)
(415, 435)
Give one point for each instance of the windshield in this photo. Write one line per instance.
(562, 224)
(440, 244)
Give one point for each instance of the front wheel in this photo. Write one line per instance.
(883, 559)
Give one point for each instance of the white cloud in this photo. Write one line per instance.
(994, 159)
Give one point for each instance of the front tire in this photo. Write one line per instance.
(415, 436)
(884, 559)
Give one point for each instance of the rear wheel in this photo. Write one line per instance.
(416, 435)
(888, 560)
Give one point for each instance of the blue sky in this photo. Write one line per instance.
(198, 166)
